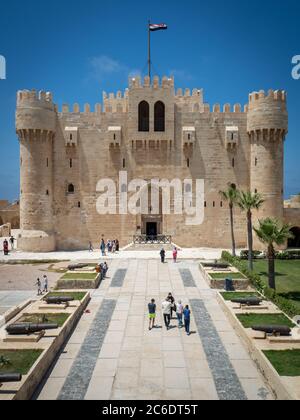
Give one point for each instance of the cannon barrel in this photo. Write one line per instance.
(27, 328)
(10, 377)
(58, 300)
(249, 301)
(273, 329)
(79, 266)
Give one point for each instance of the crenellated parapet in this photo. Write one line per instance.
(156, 83)
(267, 113)
(36, 113)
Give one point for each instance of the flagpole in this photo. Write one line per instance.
(149, 50)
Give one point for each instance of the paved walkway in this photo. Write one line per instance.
(128, 253)
(112, 355)
(10, 299)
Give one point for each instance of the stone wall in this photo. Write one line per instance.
(64, 155)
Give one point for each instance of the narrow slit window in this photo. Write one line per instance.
(188, 163)
(233, 162)
(124, 163)
(71, 163)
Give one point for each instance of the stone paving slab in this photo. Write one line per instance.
(135, 363)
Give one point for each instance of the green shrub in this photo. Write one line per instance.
(245, 254)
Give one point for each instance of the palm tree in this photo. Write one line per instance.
(231, 195)
(249, 201)
(270, 232)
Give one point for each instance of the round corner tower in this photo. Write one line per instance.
(36, 126)
(267, 127)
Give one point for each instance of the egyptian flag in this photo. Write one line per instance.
(158, 27)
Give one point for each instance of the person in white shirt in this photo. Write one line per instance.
(179, 313)
(166, 308)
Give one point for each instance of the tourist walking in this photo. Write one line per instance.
(187, 319)
(163, 255)
(179, 313)
(152, 314)
(91, 248)
(102, 247)
(175, 255)
(39, 286)
(12, 242)
(5, 247)
(45, 284)
(117, 245)
(173, 306)
(166, 308)
(105, 269)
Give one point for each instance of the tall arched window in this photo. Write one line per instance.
(144, 116)
(159, 116)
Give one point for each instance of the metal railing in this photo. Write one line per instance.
(152, 240)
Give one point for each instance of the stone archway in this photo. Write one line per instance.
(295, 242)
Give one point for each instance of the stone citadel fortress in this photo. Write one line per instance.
(151, 131)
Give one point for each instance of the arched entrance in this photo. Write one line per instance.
(295, 242)
(151, 222)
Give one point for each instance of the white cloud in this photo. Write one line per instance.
(104, 66)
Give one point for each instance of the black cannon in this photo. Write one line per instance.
(58, 300)
(73, 267)
(10, 377)
(249, 301)
(276, 330)
(27, 328)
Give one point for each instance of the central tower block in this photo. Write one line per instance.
(36, 126)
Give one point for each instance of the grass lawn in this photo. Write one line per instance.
(248, 320)
(19, 361)
(79, 276)
(75, 295)
(59, 319)
(223, 276)
(287, 278)
(238, 295)
(286, 362)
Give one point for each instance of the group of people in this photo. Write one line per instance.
(42, 288)
(169, 306)
(112, 246)
(174, 253)
(6, 245)
(102, 269)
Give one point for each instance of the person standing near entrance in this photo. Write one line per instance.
(166, 308)
(5, 247)
(103, 247)
(175, 255)
(12, 242)
(163, 255)
(152, 314)
(187, 319)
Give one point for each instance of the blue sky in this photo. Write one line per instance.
(78, 49)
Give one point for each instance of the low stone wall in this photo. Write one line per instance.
(268, 371)
(51, 345)
(238, 284)
(65, 284)
(36, 242)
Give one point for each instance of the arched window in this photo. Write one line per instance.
(144, 116)
(159, 116)
(71, 189)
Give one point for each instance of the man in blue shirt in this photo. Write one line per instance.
(187, 319)
(152, 314)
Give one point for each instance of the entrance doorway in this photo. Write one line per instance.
(151, 229)
(295, 241)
